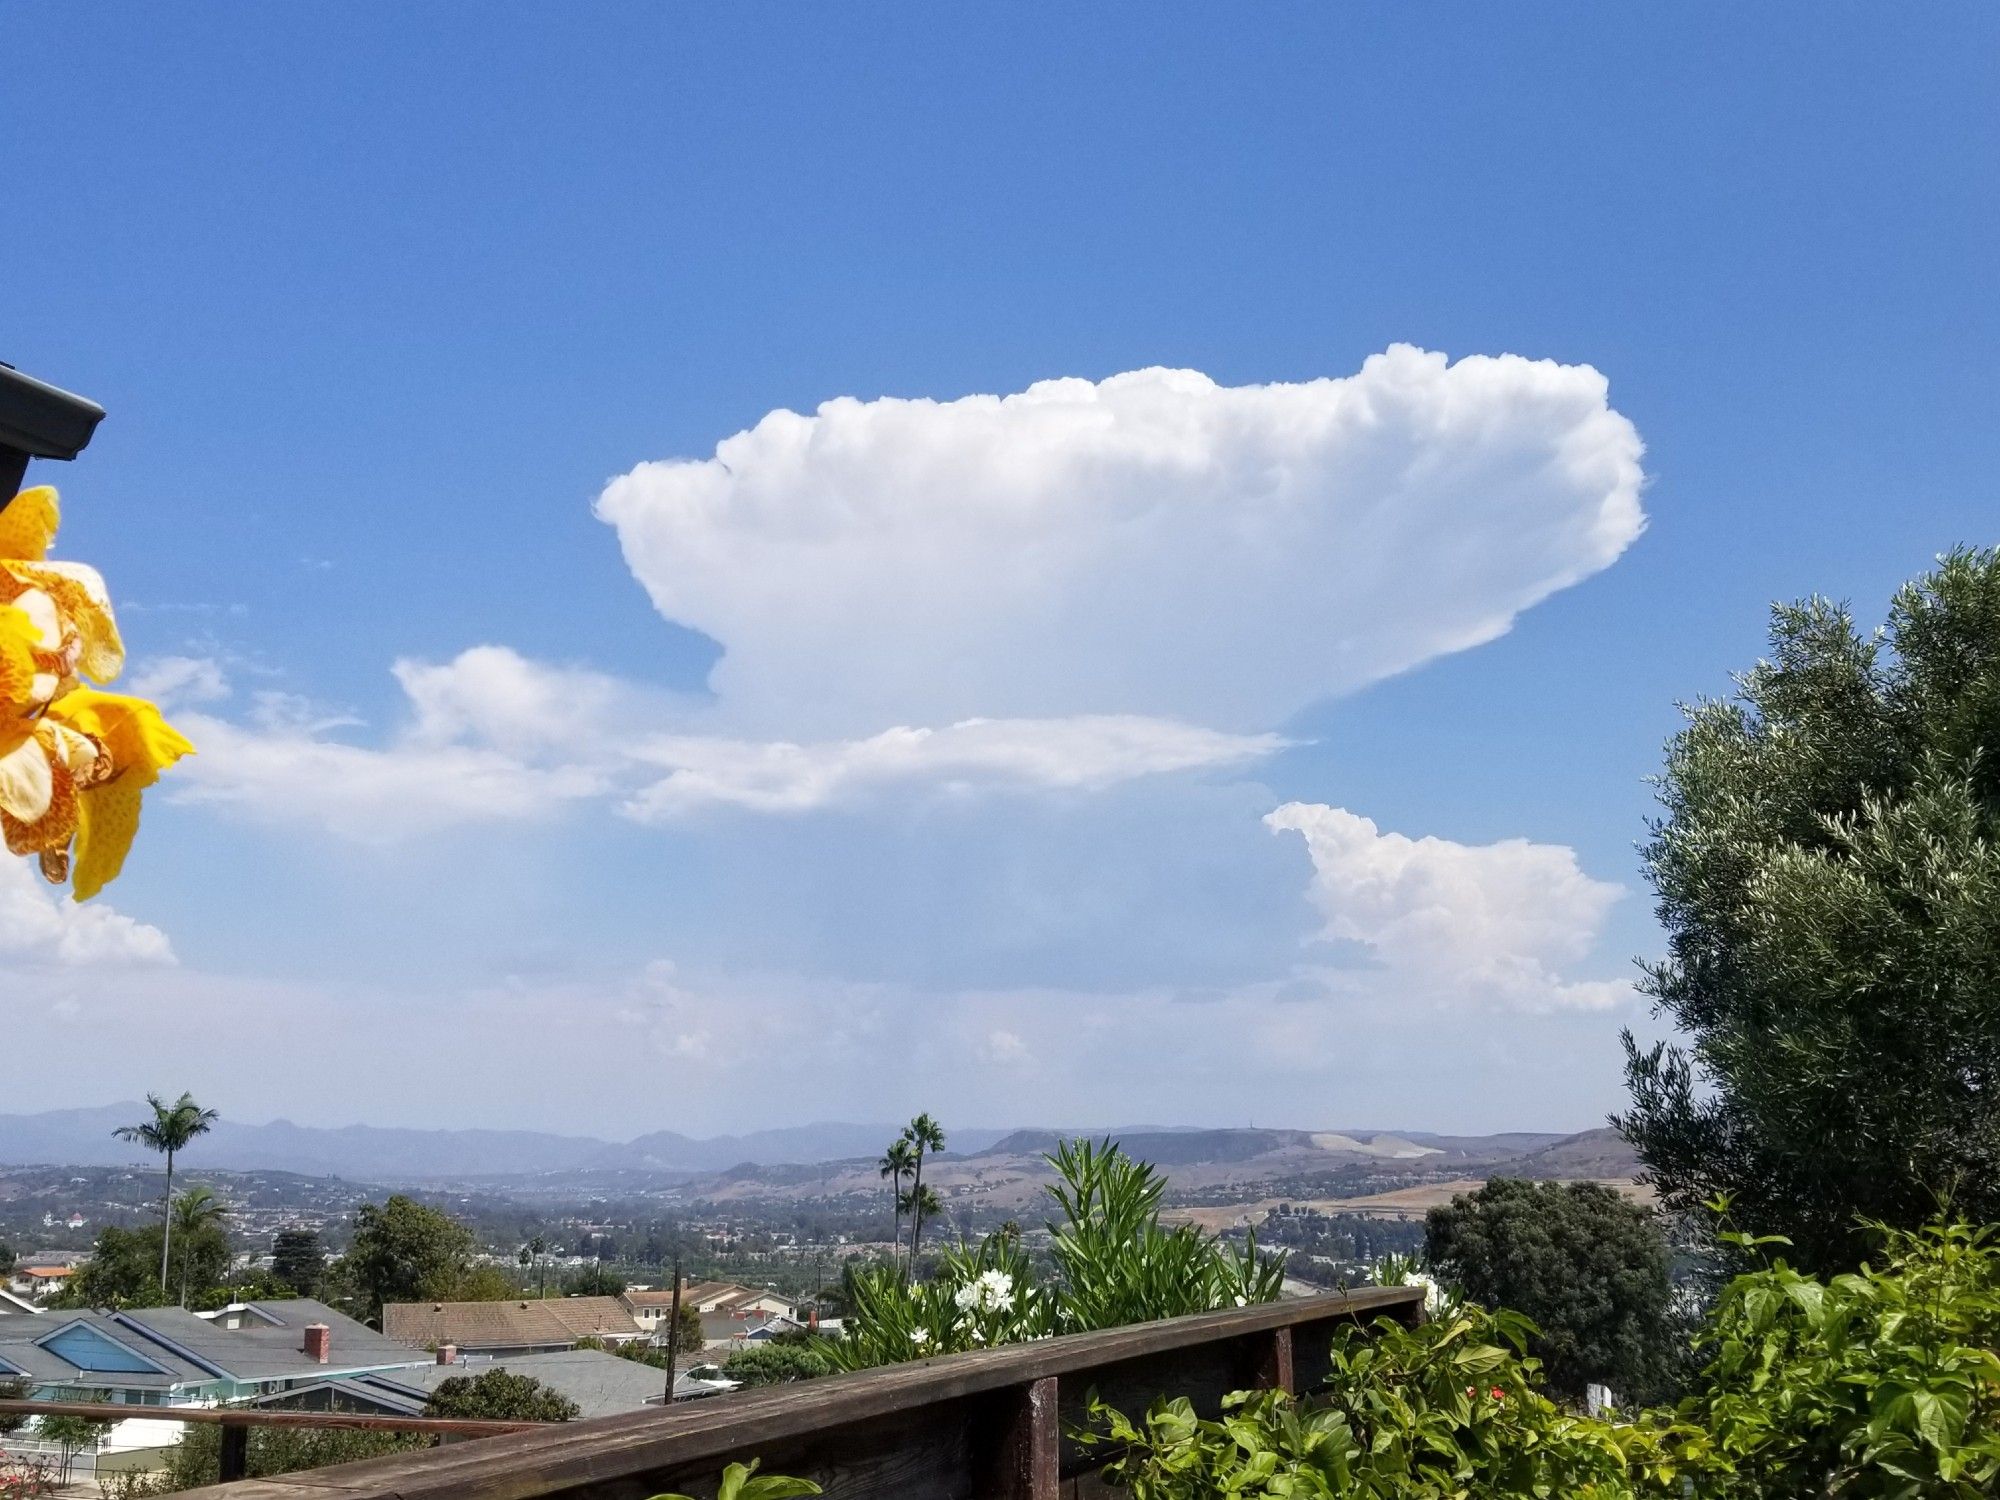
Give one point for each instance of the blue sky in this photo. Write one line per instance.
(381, 300)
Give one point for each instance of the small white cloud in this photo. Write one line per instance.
(172, 680)
(1497, 923)
(1001, 1048)
(1152, 544)
(42, 926)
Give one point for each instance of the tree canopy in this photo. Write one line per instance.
(1589, 1268)
(1828, 872)
(498, 1396)
(298, 1259)
(403, 1251)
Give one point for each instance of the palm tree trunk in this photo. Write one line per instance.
(917, 1211)
(166, 1222)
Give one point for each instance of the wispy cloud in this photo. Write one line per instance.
(492, 736)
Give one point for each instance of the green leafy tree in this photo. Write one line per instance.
(169, 1132)
(484, 1283)
(73, 1434)
(6, 1258)
(124, 1264)
(1828, 873)
(499, 1396)
(298, 1259)
(12, 1389)
(403, 1251)
(593, 1281)
(925, 1136)
(1589, 1268)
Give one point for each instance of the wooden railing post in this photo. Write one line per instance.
(1275, 1370)
(235, 1451)
(1024, 1462)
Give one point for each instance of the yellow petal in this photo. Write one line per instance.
(107, 820)
(28, 523)
(141, 743)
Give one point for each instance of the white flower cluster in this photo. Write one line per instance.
(989, 1291)
(1433, 1293)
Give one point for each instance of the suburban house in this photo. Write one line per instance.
(515, 1327)
(601, 1384)
(726, 1309)
(40, 1281)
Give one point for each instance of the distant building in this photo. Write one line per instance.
(536, 1325)
(725, 1308)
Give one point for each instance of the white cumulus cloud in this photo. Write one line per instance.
(1154, 543)
(43, 927)
(1494, 923)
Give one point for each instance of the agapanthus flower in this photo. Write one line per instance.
(73, 760)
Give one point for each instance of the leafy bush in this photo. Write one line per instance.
(1878, 1383)
(1453, 1407)
(1115, 1264)
(742, 1482)
(1882, 1383)
(775, 1364)
(499, 1396)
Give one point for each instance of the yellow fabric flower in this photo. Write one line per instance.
(73, 761)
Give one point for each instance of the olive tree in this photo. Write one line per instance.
(1828, 874)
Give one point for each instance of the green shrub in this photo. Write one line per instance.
(1883, 1383)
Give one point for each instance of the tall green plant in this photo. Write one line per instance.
(1115, 1264)
(1118, 1264)
(169, 1132)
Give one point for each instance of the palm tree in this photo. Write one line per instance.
(169, 1131)
(540, 1247)
(195, 1210)
(924, 1135)
(896, 1164)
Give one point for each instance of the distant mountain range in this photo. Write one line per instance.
(83, 1137)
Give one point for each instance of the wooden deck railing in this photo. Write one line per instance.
(981, 1426)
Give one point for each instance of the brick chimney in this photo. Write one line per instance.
(447, 1354)
(319, 1342)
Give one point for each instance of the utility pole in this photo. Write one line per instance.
(673, 1330)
